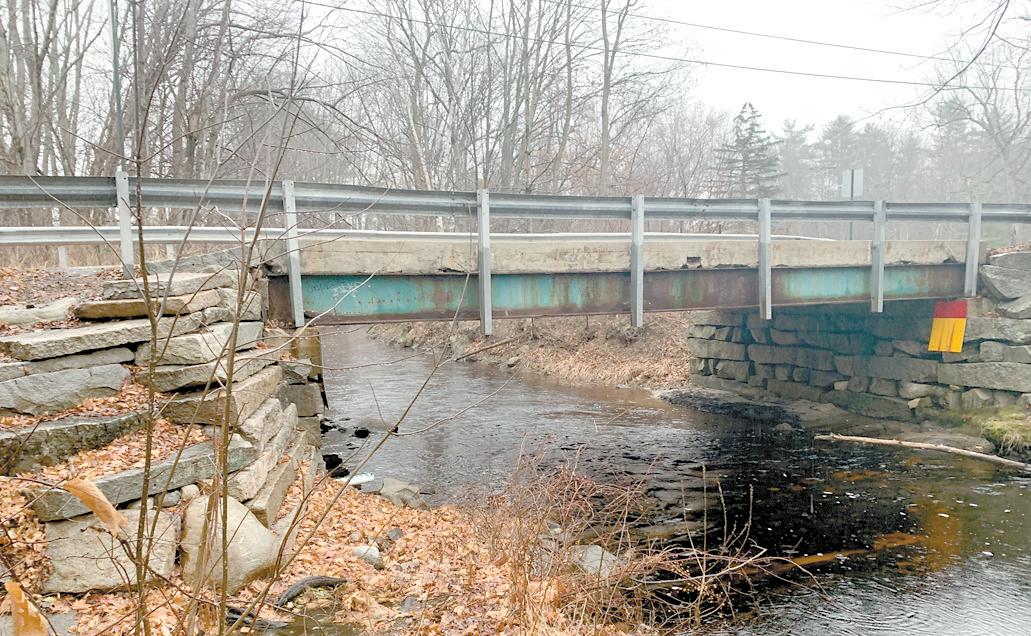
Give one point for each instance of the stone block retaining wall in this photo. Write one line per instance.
(275, 409)
(878, 364)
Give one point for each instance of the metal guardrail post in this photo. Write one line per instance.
(483, 261)
(765, 261)
(637, 261)
(293, 249)
(124, 222)
(973, 260)
(877, 259)
(62, 251)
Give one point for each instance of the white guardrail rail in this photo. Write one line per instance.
(286, 198)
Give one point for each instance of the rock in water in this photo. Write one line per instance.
(251, 553)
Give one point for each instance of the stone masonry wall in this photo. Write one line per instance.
(878, 364)
(275, 411)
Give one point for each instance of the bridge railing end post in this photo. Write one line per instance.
(877, 247)
(637, 261)
(483, 261)
(765, 223)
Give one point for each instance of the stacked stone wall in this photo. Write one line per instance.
(275, 405)
(877, 364)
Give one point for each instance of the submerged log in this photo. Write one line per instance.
(941, 448)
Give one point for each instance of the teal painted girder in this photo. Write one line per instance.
(355, 298)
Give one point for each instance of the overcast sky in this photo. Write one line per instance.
(866, 23)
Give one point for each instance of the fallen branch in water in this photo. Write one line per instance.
(995, 459)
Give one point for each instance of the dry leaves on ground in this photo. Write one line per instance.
(131, 398)
(128, 451)
(41, 286)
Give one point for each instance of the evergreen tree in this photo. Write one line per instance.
(746, 166)
(796, 161)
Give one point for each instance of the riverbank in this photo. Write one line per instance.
(585, 349)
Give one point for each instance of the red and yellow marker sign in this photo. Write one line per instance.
(950, 322)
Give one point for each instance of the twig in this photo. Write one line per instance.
(995, 459)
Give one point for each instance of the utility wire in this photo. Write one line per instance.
(769, 36)
(670, 58)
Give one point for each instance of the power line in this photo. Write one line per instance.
(769, 36)
(669, 58)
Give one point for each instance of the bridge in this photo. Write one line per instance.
(323, 275)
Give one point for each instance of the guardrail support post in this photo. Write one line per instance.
(973, 250)
(293, 249)
(637, 261)
(62, 251)
(877, 259)
(483, 261)
(765, 261)
(124, 222)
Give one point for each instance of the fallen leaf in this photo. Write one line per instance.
(25, 617)
(88, 493)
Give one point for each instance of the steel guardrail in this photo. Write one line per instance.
(289, 199)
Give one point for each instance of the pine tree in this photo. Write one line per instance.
(746, 166)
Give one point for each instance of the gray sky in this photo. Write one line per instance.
(866, 23)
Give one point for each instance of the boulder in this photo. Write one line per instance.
(246, 482)
(594, 560)
(716, 349)
(179, 284)
(1006, 376)
(48, 392)
(890, 368)
(250, 553)
(999, 352)
(1005, 282)
(50, 443)
(794, 390)
(210, 407)
(194, 464)
(880, 386)
(10, 370)
(296, 371)
(1008, 329)
(307, 398)
(250, 308)
(701, 331)
(262, 425)
(201, 348)
(1012, 260)
(23, 315)
(370, 554)
(912, 390)
(401, 494)
(85, 557)
(977, 399)
(870, 405)
(137, 307)
(53, 343)
(269, 499)
(1019, 308)
(63, 624)
(174, 377)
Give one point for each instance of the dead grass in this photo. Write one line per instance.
(587, 349)
(1011, 433)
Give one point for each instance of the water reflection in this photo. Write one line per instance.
(900, 543)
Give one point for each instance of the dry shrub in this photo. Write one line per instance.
(544, 520)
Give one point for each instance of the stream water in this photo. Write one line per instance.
(906, 543)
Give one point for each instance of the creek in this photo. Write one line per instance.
(899, 542)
